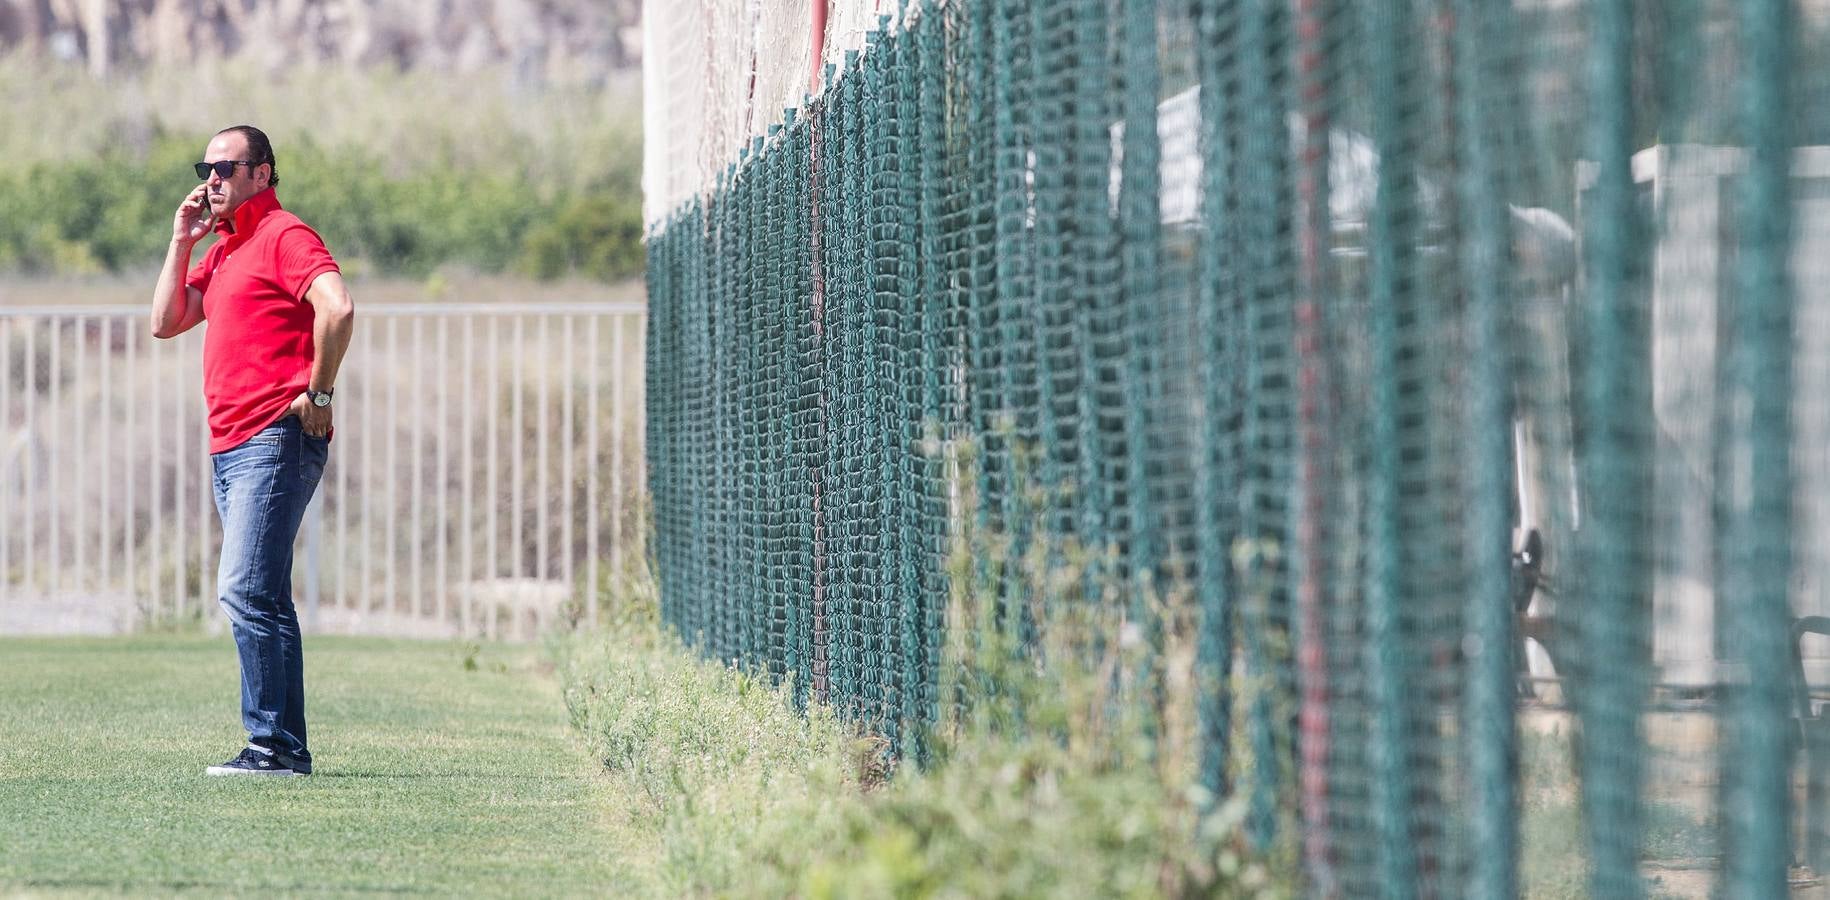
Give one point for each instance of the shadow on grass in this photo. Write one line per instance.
(417, 776)
(130, 888)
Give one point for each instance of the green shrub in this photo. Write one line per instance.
(1064, 768)
(1073, 777)
(416, 173)
(593, 234)
(113, 213)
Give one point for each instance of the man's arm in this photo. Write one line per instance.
(177, 307)
(333, 319)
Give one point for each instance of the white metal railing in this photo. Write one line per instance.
(486, 470)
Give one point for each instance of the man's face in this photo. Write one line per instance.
(228, 193)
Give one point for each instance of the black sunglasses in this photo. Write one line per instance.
(224, 168)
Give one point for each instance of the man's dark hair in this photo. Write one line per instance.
(260, 150)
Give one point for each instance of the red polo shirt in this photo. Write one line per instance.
(257, 347)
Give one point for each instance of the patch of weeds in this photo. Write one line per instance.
(1674, 832)
(1554, 854)
(1063, 762)
(717, 773)
(169, 622)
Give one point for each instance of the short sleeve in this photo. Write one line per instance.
(301, 257)
(201, 273)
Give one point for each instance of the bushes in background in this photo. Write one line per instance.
(112, 212)
(596, 234)
(403, 172)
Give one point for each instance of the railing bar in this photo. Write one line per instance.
(416, 489)
(99, 451)
(116, 507)
(638, 438)
(130, 535)
(196, 461)
(594, 367)
(80, 420)
(205, 489)
(543, 446)
(158, 528)
(349, 378)
(182, 467)
(106, 518)
(442, 447)
(339, 521)
(182, 464)
(467, 474)
(390, 477)
(492, 500)
(28, 457)
(180, 478)
(568, 481)
(169, 447)
(169, 511)
(54, 402)
(517, 535)
(366, 483)
(617, 368)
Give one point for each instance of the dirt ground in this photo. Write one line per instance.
(1682, 773)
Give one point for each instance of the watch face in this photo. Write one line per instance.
(320, 399)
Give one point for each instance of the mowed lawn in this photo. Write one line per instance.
(430, 776)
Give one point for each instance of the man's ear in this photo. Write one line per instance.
(264, 182)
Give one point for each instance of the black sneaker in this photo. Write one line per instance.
(298, 766)
(251, 762)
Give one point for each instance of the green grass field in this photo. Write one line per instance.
(619, 764)
(432, 776)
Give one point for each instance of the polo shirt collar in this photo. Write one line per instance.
(250, 213)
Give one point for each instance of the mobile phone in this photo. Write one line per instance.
(208, 216)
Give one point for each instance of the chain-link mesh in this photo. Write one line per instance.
(1457, 360)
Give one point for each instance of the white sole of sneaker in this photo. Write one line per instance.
(226, 771)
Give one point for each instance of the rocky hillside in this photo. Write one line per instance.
(538, 40)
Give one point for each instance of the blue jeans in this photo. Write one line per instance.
(262, 487)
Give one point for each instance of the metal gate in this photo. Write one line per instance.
(484, 477)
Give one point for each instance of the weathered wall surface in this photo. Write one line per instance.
(538, 39)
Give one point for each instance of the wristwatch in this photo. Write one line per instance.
(319, 398)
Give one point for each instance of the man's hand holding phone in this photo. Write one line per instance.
(195, 218)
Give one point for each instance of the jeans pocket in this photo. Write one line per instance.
(314, 453)
(276, 433)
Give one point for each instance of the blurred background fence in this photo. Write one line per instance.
(484, 479)
(1463, 364)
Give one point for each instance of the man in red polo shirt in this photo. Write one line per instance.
(279, 321)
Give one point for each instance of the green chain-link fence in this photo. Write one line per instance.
(1456, 357)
